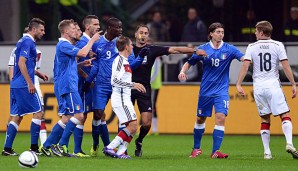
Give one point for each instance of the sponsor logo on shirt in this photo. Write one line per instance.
(149, 108)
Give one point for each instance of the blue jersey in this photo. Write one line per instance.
(106, 51)
(26, 48)
(216, 67)
(80, 44)
(67, 66)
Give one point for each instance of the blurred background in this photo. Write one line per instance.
(172, 23)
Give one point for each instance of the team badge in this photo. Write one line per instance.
(199, 111)
(223, 56)
(78, 107)
(127, 68)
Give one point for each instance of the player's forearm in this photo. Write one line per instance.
(185, 50)
(82, 73)
(185, 67)
(135, 62)
(86, 49)
(289, 73)
(242, 73)
(24, 71)
(119, 83)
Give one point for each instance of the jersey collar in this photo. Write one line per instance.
(86, 35)
(63, 39)
(26, 34)
(221, 44)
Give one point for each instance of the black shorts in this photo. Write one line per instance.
(143, 99)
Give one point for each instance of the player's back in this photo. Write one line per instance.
(106, 52)
(265, 56)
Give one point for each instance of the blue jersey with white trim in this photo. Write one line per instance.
(26, 48)
(80, 44)
(67, 66)
(216, 68)
(106, 51)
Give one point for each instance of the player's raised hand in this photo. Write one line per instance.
(240, 90)
(182, 76)
(139, 87)
(92, 54)
(294, 91)
(96, 36)
(88, 62)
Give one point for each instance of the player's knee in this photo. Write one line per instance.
(97, 114)
(201, 120)
(38, 115)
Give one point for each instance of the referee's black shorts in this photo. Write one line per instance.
(143, 99)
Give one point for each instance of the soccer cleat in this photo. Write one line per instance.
(195, 153)
(291, 149)
(124, 156)
(10, 152)
(267, 156)
(219, 155)
(37, 152)
(46, 152)
(64, 151)
(94, 151)
(109, 152)
(55, 151)
(81, 154)
(138, 151)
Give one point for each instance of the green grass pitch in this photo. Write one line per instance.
(168, 152)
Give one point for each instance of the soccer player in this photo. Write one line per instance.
(121, 103)
(91, 27)
(142, 75)
(106, 51)
(214, 89)
(266, 55)
(23, 96)
(70, 102)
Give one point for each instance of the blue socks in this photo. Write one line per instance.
(199, 130)
(78, 138)
(55, 135)
(11, 134)
(34, 131)
(104, 133)
(218, 135)
(70, 126)
(95, 132)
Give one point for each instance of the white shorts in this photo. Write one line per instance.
(271, 100)
(37, 87)
(125, 113)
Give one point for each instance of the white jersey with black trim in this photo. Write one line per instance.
(265, 56)
(121, 81)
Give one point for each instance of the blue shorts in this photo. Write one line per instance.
(22, 102)
(101, 96)
(56, 91)
(86, 97)
(220, 103)
(71, 103)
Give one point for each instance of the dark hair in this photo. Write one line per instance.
(111, 21)
(265, 27)
(35, 22)
(87, 20)
(63, 24)
(142, 25)
(213, 27)
(26, 30)
(122, 41)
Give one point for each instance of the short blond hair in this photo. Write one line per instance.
(265, 27)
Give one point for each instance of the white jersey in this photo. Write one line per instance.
(265, 56)
(121, 81)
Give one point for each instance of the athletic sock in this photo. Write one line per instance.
(70, 126)
(265, 135)
(104, 133)
(154, 125)
(199, 130)
(95, 132)
(218, 135)
(11, 133)
(34, 131)
(78, 138)
(43, 132)
(55, 135)
(123, 147)
(143, 133)
(287, 128)
(123, 135)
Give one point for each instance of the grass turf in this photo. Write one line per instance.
(168, 152)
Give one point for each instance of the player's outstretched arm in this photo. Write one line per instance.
(289, 75)
(182, 75)
(241, 76)
(24, 71)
